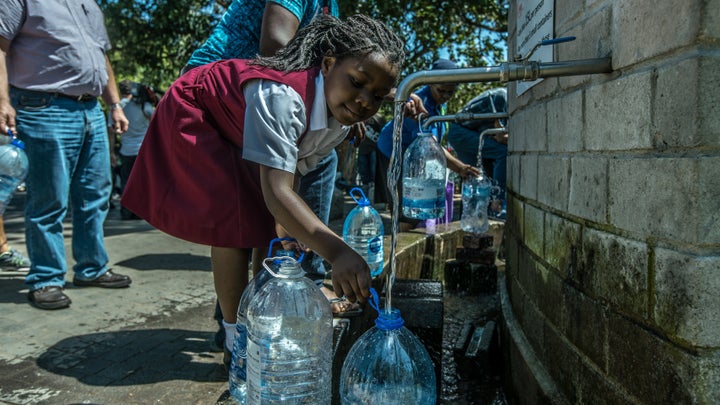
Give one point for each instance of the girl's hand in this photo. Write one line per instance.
(468, 171)
(351, 276)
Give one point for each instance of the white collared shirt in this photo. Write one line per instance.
(275, 120)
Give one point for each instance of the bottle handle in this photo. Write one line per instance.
(278, 240)
(14, 140)
(275, 260)
(363, 199)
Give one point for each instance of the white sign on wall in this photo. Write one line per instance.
(535, 22)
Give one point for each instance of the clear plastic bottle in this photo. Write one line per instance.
(363, 231)
(13, 169)
(388, 365)
(289, 340)
(424, 169)
(475, 201)
(238, 370)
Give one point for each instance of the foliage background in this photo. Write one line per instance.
(152, 39)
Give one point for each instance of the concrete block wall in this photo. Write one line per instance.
(613, 236)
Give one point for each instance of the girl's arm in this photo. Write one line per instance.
(351, 275)
(459, 167)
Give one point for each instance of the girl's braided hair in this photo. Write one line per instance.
(358, 35)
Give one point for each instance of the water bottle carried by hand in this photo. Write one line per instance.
(363, 231)
(13, 169)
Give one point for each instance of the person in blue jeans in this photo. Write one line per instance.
(258, 27)
(56, 68)
(465, 136)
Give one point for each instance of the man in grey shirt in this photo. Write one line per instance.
(53, 68)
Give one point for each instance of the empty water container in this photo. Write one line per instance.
(289, 339)
(388, 365)
(475, 201)
(238, 370)
(13, 168)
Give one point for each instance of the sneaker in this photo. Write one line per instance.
(14, 260)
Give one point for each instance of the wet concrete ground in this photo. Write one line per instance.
(149, 343)
(152, 343)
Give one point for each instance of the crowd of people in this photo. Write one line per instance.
(230, 172)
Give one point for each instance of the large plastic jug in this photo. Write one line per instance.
(238, 370)
(424, 167)
(289, 339)
(388, 365)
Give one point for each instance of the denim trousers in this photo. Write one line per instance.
(466, 141)
(316, 189)
(67, 146)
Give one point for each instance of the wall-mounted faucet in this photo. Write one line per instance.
(507, 71)
(460, 117)
(520, 69)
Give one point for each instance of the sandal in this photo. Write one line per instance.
(346, 308)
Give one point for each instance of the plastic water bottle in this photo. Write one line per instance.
(363, 231)
(475, 201)
(289, 339)
(13, 169)
(238, 370)
(424, 168)
(388, 365)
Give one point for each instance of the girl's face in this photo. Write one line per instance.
(355, 87)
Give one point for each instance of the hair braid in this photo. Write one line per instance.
(357, 35)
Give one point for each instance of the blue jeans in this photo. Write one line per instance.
(316, 189)
(466, 141)
(366, 168)
(67, 146)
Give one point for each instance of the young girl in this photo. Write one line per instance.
(221, 155)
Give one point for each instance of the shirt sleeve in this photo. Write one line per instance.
(298, 8)
(12, 18)
(274, 120)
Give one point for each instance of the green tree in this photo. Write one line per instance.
(472, 33)
(152, 40)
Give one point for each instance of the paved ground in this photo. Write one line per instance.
(147, 344)
(150, 343)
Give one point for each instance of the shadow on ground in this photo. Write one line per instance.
(167, 261)
(139, 357)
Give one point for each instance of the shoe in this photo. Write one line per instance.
(50, 297)
(14, 260)
(107, 280)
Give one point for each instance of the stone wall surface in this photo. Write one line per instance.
(613, 233)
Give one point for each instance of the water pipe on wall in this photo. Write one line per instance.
(460, 117)
(507, 71)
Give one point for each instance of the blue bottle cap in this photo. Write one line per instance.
(20, 144)
(385, 320)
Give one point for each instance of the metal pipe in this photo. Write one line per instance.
(507, 71)
(459, 117)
